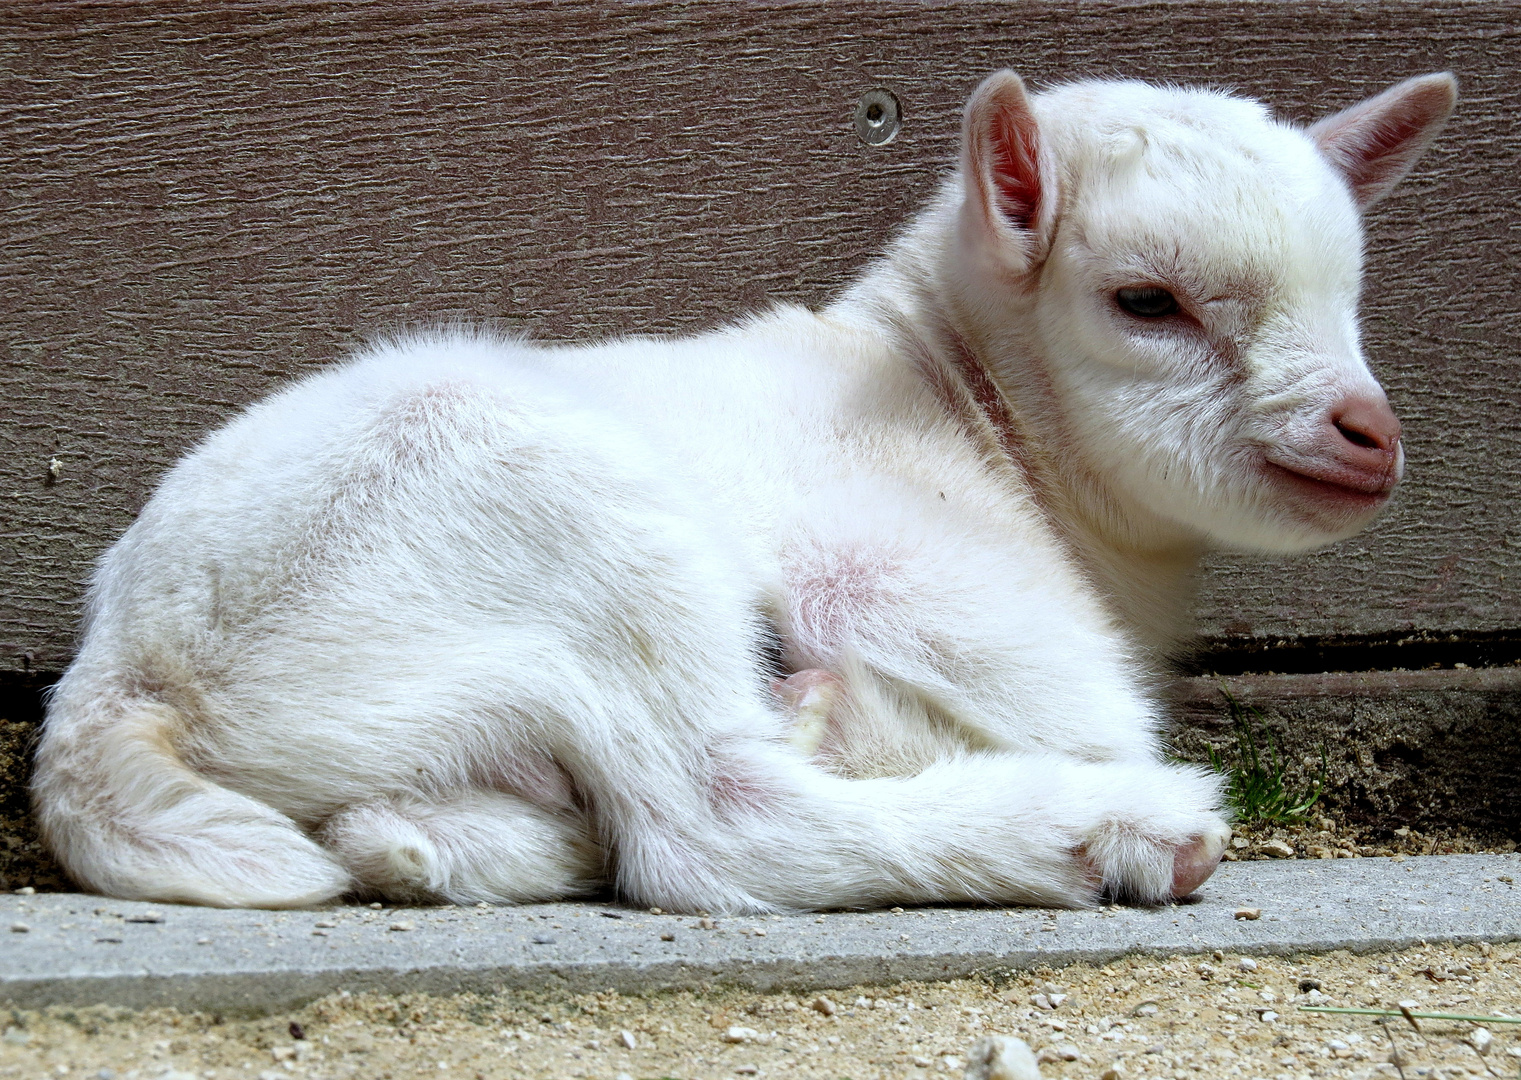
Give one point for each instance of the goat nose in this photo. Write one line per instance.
(1367, 421)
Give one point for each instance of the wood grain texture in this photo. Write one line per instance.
(201, 200)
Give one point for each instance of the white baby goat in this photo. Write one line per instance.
(472, 619)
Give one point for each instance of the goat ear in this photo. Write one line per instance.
(1010, 178)
(1374, 143)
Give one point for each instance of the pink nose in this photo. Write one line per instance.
(1355, 446)
(1370, 432)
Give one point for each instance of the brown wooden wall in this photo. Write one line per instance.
(200, 199)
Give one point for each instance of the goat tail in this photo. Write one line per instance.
(125, 816)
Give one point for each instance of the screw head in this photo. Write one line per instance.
(878, 117)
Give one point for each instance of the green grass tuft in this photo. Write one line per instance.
(1255, 788)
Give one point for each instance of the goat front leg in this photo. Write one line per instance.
(1117, 858)
(915, 641)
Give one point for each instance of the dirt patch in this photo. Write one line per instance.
(1323, 836)
(1215, 1015)
(23, 859)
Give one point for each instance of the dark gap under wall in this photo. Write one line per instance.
(1382, 652)
(21, 693)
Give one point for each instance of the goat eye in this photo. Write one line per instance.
(1147, 303)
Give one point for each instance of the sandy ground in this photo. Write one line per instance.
(1180, 1017)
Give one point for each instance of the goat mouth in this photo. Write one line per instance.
(1342, 489)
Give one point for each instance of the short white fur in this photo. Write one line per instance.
(471, 619)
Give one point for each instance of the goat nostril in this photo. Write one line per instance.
(1368, 423)
(1357, 438)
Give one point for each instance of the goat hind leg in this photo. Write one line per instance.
(474, 846)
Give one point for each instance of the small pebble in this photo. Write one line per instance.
(998, 1057)
(823, 1005)
(1114, 1072)
(1248, 913)
(667, 936)
(1278, 849)
(1246, 963)
(27, 890)
(19, 928)
(1481, 1039)
(145, 917)
(627, 1039)
(741, 1035)
(746, 1070)
(543, 939)
(405, 925)
(1059, 1052)
(1146, 1008)
(1269, 1016)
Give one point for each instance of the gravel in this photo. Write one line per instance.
(1139, 1018)
(1324, 837)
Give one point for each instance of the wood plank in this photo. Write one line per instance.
(202, 200)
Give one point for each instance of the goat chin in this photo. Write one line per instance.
(823, 609)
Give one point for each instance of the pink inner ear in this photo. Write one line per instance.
(1372, 153)
(1016, 167)
(1375, 143)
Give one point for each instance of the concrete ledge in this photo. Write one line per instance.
(82, 950)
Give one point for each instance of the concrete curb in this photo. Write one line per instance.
(82, 950)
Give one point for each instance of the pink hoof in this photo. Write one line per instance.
(808, 696)
(1194, 862)
(805, 688)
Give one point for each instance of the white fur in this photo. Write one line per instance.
(472, 619)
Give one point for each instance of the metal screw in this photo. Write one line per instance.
(878, 117)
